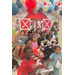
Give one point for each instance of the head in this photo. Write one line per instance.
(30, 35)
(55, 23)
(28, 43)
(38, 30)
(28, 52)
(22, 32)
(34, 38)
(45, 33)
(51, 33)
(42, 34)
(57, 49)
(48, 37)
(32, 31)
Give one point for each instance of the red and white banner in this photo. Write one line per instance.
(25, 24)
(46, 25)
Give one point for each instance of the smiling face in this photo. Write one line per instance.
(28, 53)
(35, 38)
(29, 44)
(22, 33)
(57, 50)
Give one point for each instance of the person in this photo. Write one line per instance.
(55, 30)
(49, 44)
(41, 44)
(52, 35)
(33, 32)
(28, 65)
(14, 62)
(21, 40)
(38, 32)
(45, 34)
(34, 42)
(30, 35)
(28, 44)
(53, 58)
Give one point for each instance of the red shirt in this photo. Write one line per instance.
(28, 67)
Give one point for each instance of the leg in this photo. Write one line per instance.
(57, 40)
(47, 54)
(12, 65)
(52, 67)
(50, 50)
(17, 50)
(23, 47)
(15, 63)
(56, 36)
(56, 71)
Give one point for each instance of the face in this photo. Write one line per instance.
(29, 44)
(57, 50)
(29, 53)
(22, 33)
(56, 24)
(35, 39)
(51, 32)
(49, 37)
(30, 36)
(32, 32)
(38, 31)
(47, 32)
(43, 35)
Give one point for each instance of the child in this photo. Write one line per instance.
(28, 44)
(21, 39)
(53, 58)
(30, 35)
(41, 43)
(55, 29)
(38, 33)
(28, 66)
(34, 42)
(45, 34)
(14, 62)
(49, 44)
(32, 31)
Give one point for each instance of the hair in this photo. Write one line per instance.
(27, 41)
(56, 47)
(47, 36)
(37, 29)
(32, 29)
(55, 22)
(29, 32)
(25, 49)
(23, 31)
(41, 33)
(45, 31)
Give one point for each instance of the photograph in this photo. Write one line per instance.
(36, 37)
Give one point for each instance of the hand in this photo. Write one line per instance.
(37, 67)
(51, 44)
(46, 67)
(22, 36)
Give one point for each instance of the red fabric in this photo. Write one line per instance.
(27, 67)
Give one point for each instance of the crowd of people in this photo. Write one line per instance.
(45, 42)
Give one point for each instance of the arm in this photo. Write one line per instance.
(35, 70)
(24, 38)
(48, 62)
(15, 40)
